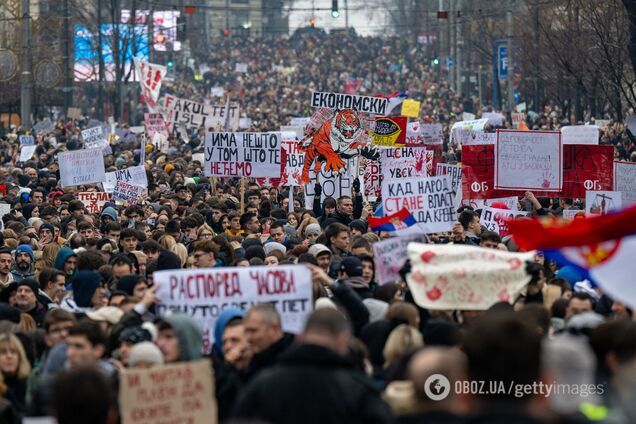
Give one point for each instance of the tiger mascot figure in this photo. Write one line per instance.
(333, 142)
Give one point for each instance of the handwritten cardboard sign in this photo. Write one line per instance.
(528, 160)
(580, 134)
(390, 255)
(133, 175)
(94, 138)
(174, 393)
(194, 114)
(155, 123)
(79, 167)
(243, 154)
(625, 181)
(406, 162)
(430, 200)
(446, 276)
(93, 201)
(205, 293)
(497, 219)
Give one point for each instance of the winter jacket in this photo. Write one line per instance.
(312, 384)
(268, 357)
(189, 334)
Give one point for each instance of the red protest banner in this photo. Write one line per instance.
(585, 167)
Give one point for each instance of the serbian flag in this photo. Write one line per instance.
(398, 221)
(602, 248)
(395, 99)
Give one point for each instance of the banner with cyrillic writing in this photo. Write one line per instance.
(93, 201)
(372, 178)
(390, 256)
(474, 138)
(455, 276)
(455, 171)
(497, 219)
(133, 175)
(528, 160)
(475, 125)
(181, 392)
(79, 167)
(332, 184)
(339, 101)
(584, 168)
(389, 131)
(294, 161)
(243, 155)
(26, 152)
(128, 193)
(430, 201)
(406, 162)
(625, 181)
(93, 138)
(419, 134)
(205, 293)
(195, 115)
(580, 134)
(154, 124)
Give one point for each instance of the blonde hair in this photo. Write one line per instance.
(167, 241)
(301, 227)
(49, 253)
(402, 340)
(203, 228)
(27, 324)
(181, 251)
(24, 367)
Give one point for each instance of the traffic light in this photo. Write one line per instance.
(436, 61)
(226, 32)
(334, 9)
(170, 63)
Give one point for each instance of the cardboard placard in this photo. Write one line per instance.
(133, 175)
(130, 194)
(624, 181)
(176, 393)
(580, 134)
(497, 219)
(602, 202)
(93, 201)
(194, 115)
(390, 256)
(411, 108)
(389, 131)
(339, 101)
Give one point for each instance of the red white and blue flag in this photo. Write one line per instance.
(400, 220)
(395, 99)
(602, 247)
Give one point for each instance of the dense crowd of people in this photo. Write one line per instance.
(78, 301)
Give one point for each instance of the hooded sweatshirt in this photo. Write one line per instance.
(189, 334)
(62, 257)
(225, 317)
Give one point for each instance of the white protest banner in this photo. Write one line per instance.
(333, 185)
(198, 157)
(511, 202)
(517, 118)
(580, 134)
(455, 171)
(418, 134)
(390, 256)
(467, 116)
(299, 131)
(430, 201)
(497, 219)
(240, 68)
(294, 161)
(455, 276)
(134, 175)
(26, 152)
(245, 123)
(602, 123)
(625, 181)
(130, 194)
(473, 138)
(93, 201)
(339, 101)
(154, 123)
(494, 119)
(5, 208)
(94, 138)
(528, 160)
(150, 76)
(243, 154)
(205, 293)
(195, 115)
(602, 202)
(182, 392)
(521, 107)
(300, 121)
(79, 167)
(406, 162)
(474, 125)
(137, 130)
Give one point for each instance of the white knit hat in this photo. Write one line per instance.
(145, 352)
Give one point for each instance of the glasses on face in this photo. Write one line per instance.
(206, 235)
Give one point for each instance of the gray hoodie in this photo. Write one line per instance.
(189, 334)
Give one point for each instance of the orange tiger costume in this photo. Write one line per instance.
(336, 139)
